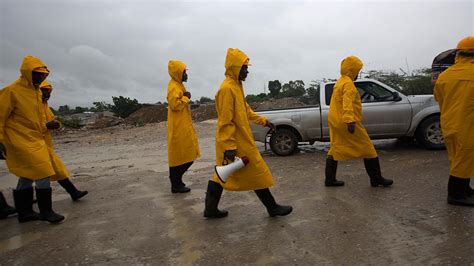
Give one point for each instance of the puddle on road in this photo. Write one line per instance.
(18, 241)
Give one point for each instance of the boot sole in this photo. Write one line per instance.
(282, 214)
(80, 196)
(460, 203)
(216, 216)
(334, 185)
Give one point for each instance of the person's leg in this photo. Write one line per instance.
(459, 191)
(183, 169)
(44, 196)
(175, 179)
(213, 196)
(5, 209)
(372, 166)
(23, 197)
(71, 189)
(331, 169)
(273, 208)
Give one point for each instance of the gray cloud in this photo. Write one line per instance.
(99, 49)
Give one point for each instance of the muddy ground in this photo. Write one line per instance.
(130, 216)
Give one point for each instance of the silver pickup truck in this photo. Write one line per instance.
(386, 114)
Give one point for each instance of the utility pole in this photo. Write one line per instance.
(408, 68)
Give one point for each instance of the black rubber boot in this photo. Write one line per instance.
(71, 189)
(45, 206)
(459, 192)
(213, 196)
(177, 186)
(5, 209)
(24, 205)
(273, 208)
(372, 166)
(331, 169)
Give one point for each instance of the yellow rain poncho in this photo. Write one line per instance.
(346, 107)
(233, 129)
(454, 91)
(23, 125)
(60, 169)
(183, 146)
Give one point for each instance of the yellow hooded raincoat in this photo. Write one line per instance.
(454, 91)
(23, 125)
(183, 146)
(346, 107)
(233, 129)
(60, 169)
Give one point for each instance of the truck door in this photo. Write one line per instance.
(382, 115)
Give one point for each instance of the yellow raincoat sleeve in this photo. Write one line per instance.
(7, 104)
(349, 93)
(177, 101)
(226, 127)
(254, 117)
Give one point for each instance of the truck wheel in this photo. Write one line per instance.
(429, 134)
(283, 142)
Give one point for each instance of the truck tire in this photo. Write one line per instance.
(429, 134)
(283, 142)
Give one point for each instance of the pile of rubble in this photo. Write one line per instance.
(148, 114)
(277, 104)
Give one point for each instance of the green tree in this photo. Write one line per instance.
(251, 98)
(293, 89)
(101, 107)
(205, 100)
(64, 110)
(80, 110)
(419, 82)
(124, 107)
(274, 87)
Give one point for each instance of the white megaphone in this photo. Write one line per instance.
(225, 170)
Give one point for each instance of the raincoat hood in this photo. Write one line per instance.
(466, 43)
(46, 85)
(234, 61)
(351, 66)
(176, 69)
(29, 64)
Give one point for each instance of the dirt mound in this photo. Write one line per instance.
(204, 112)
(148, 114)
(277, 104)
(106, 121)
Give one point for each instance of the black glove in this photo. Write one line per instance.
(230, 155)
(271, 126)
(187, 94)
(3, 152)
(351, 127)
(53, 125)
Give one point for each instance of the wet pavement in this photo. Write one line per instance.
(130, 216)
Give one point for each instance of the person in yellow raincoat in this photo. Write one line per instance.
(61, 173)
(234, 138)
(348, 137)
(183, 146)
(454, 91)
(22, 142)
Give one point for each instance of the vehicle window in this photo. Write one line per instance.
(328, 92)
(372, 92)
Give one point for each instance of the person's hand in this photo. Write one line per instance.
(271, 126)
(230, 155)
(53, 124)
(187, 94)
(351, 127)
(3, 152)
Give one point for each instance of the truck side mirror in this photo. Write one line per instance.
(396, 96)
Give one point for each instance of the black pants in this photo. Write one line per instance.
(177, 172)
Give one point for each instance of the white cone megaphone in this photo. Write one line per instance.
(225, 170)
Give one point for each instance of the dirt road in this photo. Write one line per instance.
(130, 216)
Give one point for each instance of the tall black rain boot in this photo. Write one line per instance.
(372, 166)
(273, 208)
(331, 169)
(5, 209)
(459, 192)
(177, 185)
(45, 206)
(71, 189)
(213, 196)
(24, 205)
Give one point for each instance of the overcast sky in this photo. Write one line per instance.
(99, 49)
